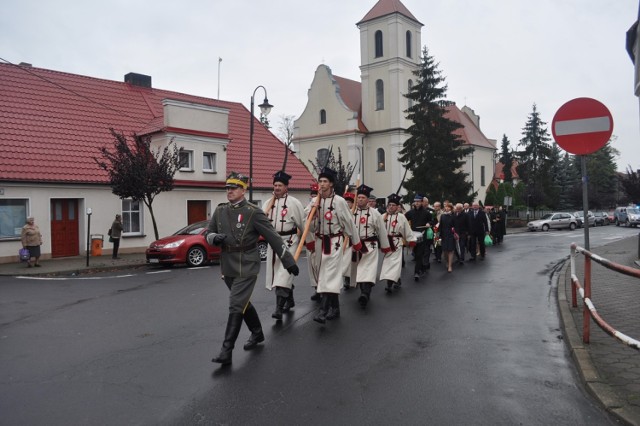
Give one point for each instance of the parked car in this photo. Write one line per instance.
(602, 218)
(188, 245)
(611, 216)
(579, 215)
(553, 221)
(627, 216)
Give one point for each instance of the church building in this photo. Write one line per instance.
(366, 119)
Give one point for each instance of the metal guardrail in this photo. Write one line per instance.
(589, 310)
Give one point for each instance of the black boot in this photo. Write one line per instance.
(398, 284)
(334, 306)
(279, 304)
(316, 296)
(321, 317)
(365, 292)
(230, 335)
(288, 301)
(389, 286)
(252, 320)
(346, 283)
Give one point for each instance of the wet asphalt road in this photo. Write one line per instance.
(479, 346)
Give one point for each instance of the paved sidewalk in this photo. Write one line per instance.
(75, 265)
(609, 368)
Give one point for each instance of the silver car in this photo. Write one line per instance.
(579, 215)
(553, 221)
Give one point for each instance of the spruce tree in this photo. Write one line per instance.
(534, 158)
(601, 177)
(433, 152)
(506, 158)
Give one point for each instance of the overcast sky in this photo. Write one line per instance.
(499, 57)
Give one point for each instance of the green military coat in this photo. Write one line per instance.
(243, 223)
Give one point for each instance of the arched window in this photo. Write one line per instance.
(409, 87)
(323, 116)
(322, 155)
(378, 39)
(379, 95)
(409, 44)
(381, 161)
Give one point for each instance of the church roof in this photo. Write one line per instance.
(388, 7)
(350, 92)
(470, 133)
(52, 125)
(499, 173)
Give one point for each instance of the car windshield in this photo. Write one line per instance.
(193, 229)
(546, 216)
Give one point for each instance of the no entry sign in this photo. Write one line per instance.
(582, 126)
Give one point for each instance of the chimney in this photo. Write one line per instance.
(25, 65)
(136, 79)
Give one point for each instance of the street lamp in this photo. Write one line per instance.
(265, 109)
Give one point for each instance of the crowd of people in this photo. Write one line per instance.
(344, 236)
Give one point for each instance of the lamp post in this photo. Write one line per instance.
(265, 109)
(89, 211)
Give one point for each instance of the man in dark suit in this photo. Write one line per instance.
(478, 228)
(236, 227)
(461, 225)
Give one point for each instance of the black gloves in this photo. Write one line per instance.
(215, 239)
(293, 270)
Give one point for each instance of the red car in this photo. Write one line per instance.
(188, 245)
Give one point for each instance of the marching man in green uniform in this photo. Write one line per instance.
(236, 227)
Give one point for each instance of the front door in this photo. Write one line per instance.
(196, 211)
(64, 228)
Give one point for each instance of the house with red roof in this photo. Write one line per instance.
(366, 119)
(53, 124)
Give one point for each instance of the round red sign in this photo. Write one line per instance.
(582, 126)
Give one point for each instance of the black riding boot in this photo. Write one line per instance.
(288, 300)
(365, 294)
(230, 335)
(252, 320)
(321, 317)
(334, 306)
(279, 304)
(316, 297)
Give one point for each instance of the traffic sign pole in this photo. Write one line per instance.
(585, 201)
(582, 126)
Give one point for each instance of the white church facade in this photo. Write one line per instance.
(367, 121)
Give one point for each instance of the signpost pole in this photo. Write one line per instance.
(585, 201)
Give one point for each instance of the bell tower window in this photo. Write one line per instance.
(378, 40)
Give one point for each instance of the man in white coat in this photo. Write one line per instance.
(286, 214)
(332, 220)
(398, 231)
(373, 235)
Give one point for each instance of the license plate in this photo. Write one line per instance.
(154, 260)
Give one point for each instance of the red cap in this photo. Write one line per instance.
(349, 196)
(314, 187)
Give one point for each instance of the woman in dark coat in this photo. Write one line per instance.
(447, 235)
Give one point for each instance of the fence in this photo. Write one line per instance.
(589, 310)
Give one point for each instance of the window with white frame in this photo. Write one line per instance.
(13, 216)
(186, 160)
(379, 95)
(132, 216)
(209, 162)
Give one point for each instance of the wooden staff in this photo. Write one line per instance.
(307, 225)
(353, 210)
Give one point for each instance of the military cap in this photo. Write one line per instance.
(418, 197)
(237, 180)
(349, 196)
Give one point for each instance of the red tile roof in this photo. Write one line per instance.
(351, 94)
(499, 173)
(387, 7)
(471, 134)
(52, 124)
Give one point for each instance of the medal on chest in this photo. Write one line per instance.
(239, 224)
(393, 224)
(363, 219)
(328, 215)
(284, 212)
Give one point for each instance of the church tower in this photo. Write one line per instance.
(390, 49)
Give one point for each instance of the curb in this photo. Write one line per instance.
(597, 387)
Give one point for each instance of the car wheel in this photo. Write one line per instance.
(545, 227)
(196, 256)
(262, 248)
(572, 226)
(617, 223)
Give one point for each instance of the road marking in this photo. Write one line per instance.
(157, 272)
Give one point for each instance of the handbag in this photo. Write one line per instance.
(109, 233)
(429, 234)
(110, 239)
(24, 254)
(487, 240)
